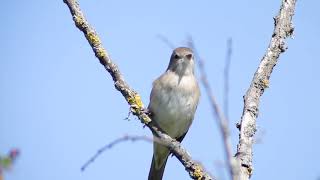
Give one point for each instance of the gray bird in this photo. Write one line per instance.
(173, 102)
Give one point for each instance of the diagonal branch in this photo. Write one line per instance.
(195, 170)
(247, 126)
(166, 41)
(220, 117)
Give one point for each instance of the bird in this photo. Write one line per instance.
(173, 102)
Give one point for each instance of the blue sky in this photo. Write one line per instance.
(58, 104)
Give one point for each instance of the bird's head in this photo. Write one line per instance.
(182, 61)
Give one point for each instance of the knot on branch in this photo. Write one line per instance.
(282, 46)
(248, 168)
(253, 109)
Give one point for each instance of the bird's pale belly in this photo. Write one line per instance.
(174, 113)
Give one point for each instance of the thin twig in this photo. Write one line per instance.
(166, 41)
(220, 117)
(124, 138)
(226, 77)
(113, 143)
(247, 126)
(195, 170)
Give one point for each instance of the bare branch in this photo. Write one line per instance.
(124, 138)
(115, 142)
(226, 77)
(220, 117)
(195, 170)
(166, 41)
(247, 126)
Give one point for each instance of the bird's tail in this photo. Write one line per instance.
(154, 173)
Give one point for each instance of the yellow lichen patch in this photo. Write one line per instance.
(78, 21)
(131, 100)
(93, 38)
(136, 101)
(100, 53)
(198, 172)
(136, 107)
(265, 83)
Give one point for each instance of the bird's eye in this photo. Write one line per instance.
(176, 56)
(189, 56)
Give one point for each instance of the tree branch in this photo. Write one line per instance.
(247, 126)
(226, 77)
(124, 138)
(115, 142)
(220, 117)
(195, 170)
(166, 41)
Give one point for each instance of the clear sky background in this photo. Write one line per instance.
(58, 105)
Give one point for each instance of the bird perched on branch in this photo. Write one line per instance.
(173, 102)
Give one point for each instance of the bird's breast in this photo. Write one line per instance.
(173, 104)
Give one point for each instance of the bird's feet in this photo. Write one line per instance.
(146, 111)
